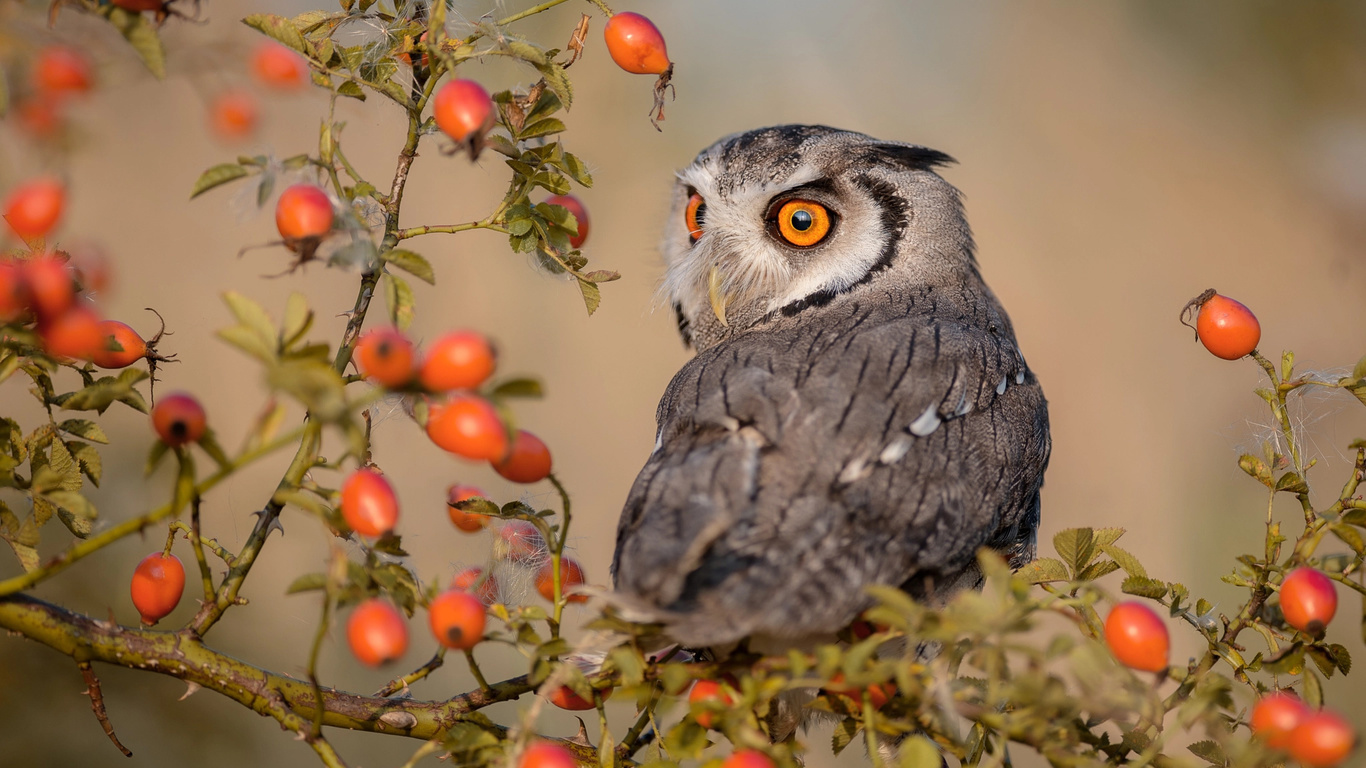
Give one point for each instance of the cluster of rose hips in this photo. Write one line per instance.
(56, 73)
(1138, 638)
(44, 289)
(159, 580)
(234, 113)
(463, 423)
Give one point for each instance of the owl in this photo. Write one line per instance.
(858, 411)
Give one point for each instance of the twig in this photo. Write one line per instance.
(433, 664)
(92, 689)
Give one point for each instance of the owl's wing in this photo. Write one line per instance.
(797, 465)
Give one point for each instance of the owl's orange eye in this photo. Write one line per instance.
(803, 222)
(695, 216)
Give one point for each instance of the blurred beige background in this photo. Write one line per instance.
(1117, 159)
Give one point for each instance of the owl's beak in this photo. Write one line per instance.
(717, 296)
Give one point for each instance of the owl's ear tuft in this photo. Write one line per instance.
(910, 157)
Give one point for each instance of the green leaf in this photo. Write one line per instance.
(558, 82)
(89, 459)
(1291, 482)
(350, 89)
(1144, 587)
(279, 28)
(592, 297)
(253, 316)
(1076, 547)
(217, 176)
(398, 297)
(1126, 560)
(105, 391)
(72, 502)
(1045, 569)
(154, 457)
(307, 583)
(140, 34)
(313, 383)
(84, 428)
(602, 276)
(525, 388)
(1313, 689)
(1210, 752)
(298, 318)
(247, 341)
(844, 734)
(209, 442)
(1350, 537)
(411, 263)
(920, 752)
(546, 127)
(1256, 468)
(577, 170)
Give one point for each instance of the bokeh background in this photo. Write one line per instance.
(1117, 159)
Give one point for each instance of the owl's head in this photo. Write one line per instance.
(779, 220)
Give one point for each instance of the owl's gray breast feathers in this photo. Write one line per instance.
(803, 460)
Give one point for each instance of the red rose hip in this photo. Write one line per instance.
(178, 418)
(157, 585)
(368, 503)
(1308, 600)
(1137, 637)
(636, 44)
(377, 632)
(457, 619)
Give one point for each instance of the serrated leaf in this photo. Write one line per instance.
(280, 29)
(1075, 546)
(546, 127)
(1098, 569)
(602, 276)
(1210, 752)
(28, 556)
(84, 428)
(350, 89)
(217, 176)
(1125, 560)
(72, 502)
(140, 34)
(844, 734)
(64, 464)
(1043, 570)
(577, 170)
(1322, 659)
(89, 459)
(558, 82)
(592, 297)
(398, 298)
(1143, 587)
(412, 263)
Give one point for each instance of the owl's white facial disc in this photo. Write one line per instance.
(739, 265)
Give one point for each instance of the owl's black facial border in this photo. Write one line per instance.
(819, 191)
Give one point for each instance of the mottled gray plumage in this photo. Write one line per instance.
(862, 415)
